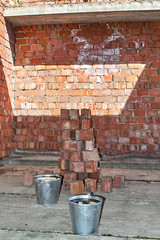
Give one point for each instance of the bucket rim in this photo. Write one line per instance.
(48, 175)
(85, 196)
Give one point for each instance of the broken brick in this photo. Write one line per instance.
(29, 178)
(106, 184)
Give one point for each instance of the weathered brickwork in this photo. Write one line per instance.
(6, 84)
(110, 68)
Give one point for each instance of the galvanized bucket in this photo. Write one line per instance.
(85, 213)
(47, 188)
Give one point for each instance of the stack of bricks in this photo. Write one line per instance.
(79, 161)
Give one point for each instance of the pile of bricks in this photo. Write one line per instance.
(79, 161)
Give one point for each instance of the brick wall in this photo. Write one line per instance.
(110, 68)
(7, 42)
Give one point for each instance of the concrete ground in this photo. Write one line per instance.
(130, 213)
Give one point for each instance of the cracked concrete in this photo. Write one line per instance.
(130, 213)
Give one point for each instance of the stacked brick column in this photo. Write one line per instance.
(79, 161)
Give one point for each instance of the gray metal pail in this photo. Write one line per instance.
(85, 217)
(47, 191)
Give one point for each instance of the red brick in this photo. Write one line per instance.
(89, 145)
(91, 185)
(29, 178)
(65, 144)
(65, 114)
(82, 175)
(90, 166)
(70, 124)
(65, 154)
(76, 187)
(118, 181)
(76, 166)
(85, 135)
(86, 123)
(74, 114)
(67, 178)
(75, 156)
(67, 134)
(85, 113)
(63, 164)
(71, 176)
(91, 155)
(76, 146)
(106, 184)
(95, 175)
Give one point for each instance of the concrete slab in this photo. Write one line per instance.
(111, 11)
(129, 213)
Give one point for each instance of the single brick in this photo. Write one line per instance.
(86, 124)
(74, 114)
(75, 156)
(90, 166)
(91, 155)
(91, 185)
(85, 135)
(76, 187)
(85, 113)
(65, 114)
(76, 146)
(106, 184)
(29, 178)
(70, 124)
(71, 175)
(65, 154)
(118, 181)
(76, 166)
(95, 175)
(65, 144)
(89, 145)
(64, 164)
(82, 175)
(67, 134)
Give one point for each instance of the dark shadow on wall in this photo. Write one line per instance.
(6, 116)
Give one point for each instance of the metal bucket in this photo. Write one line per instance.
(47, 188)
(85, 213)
